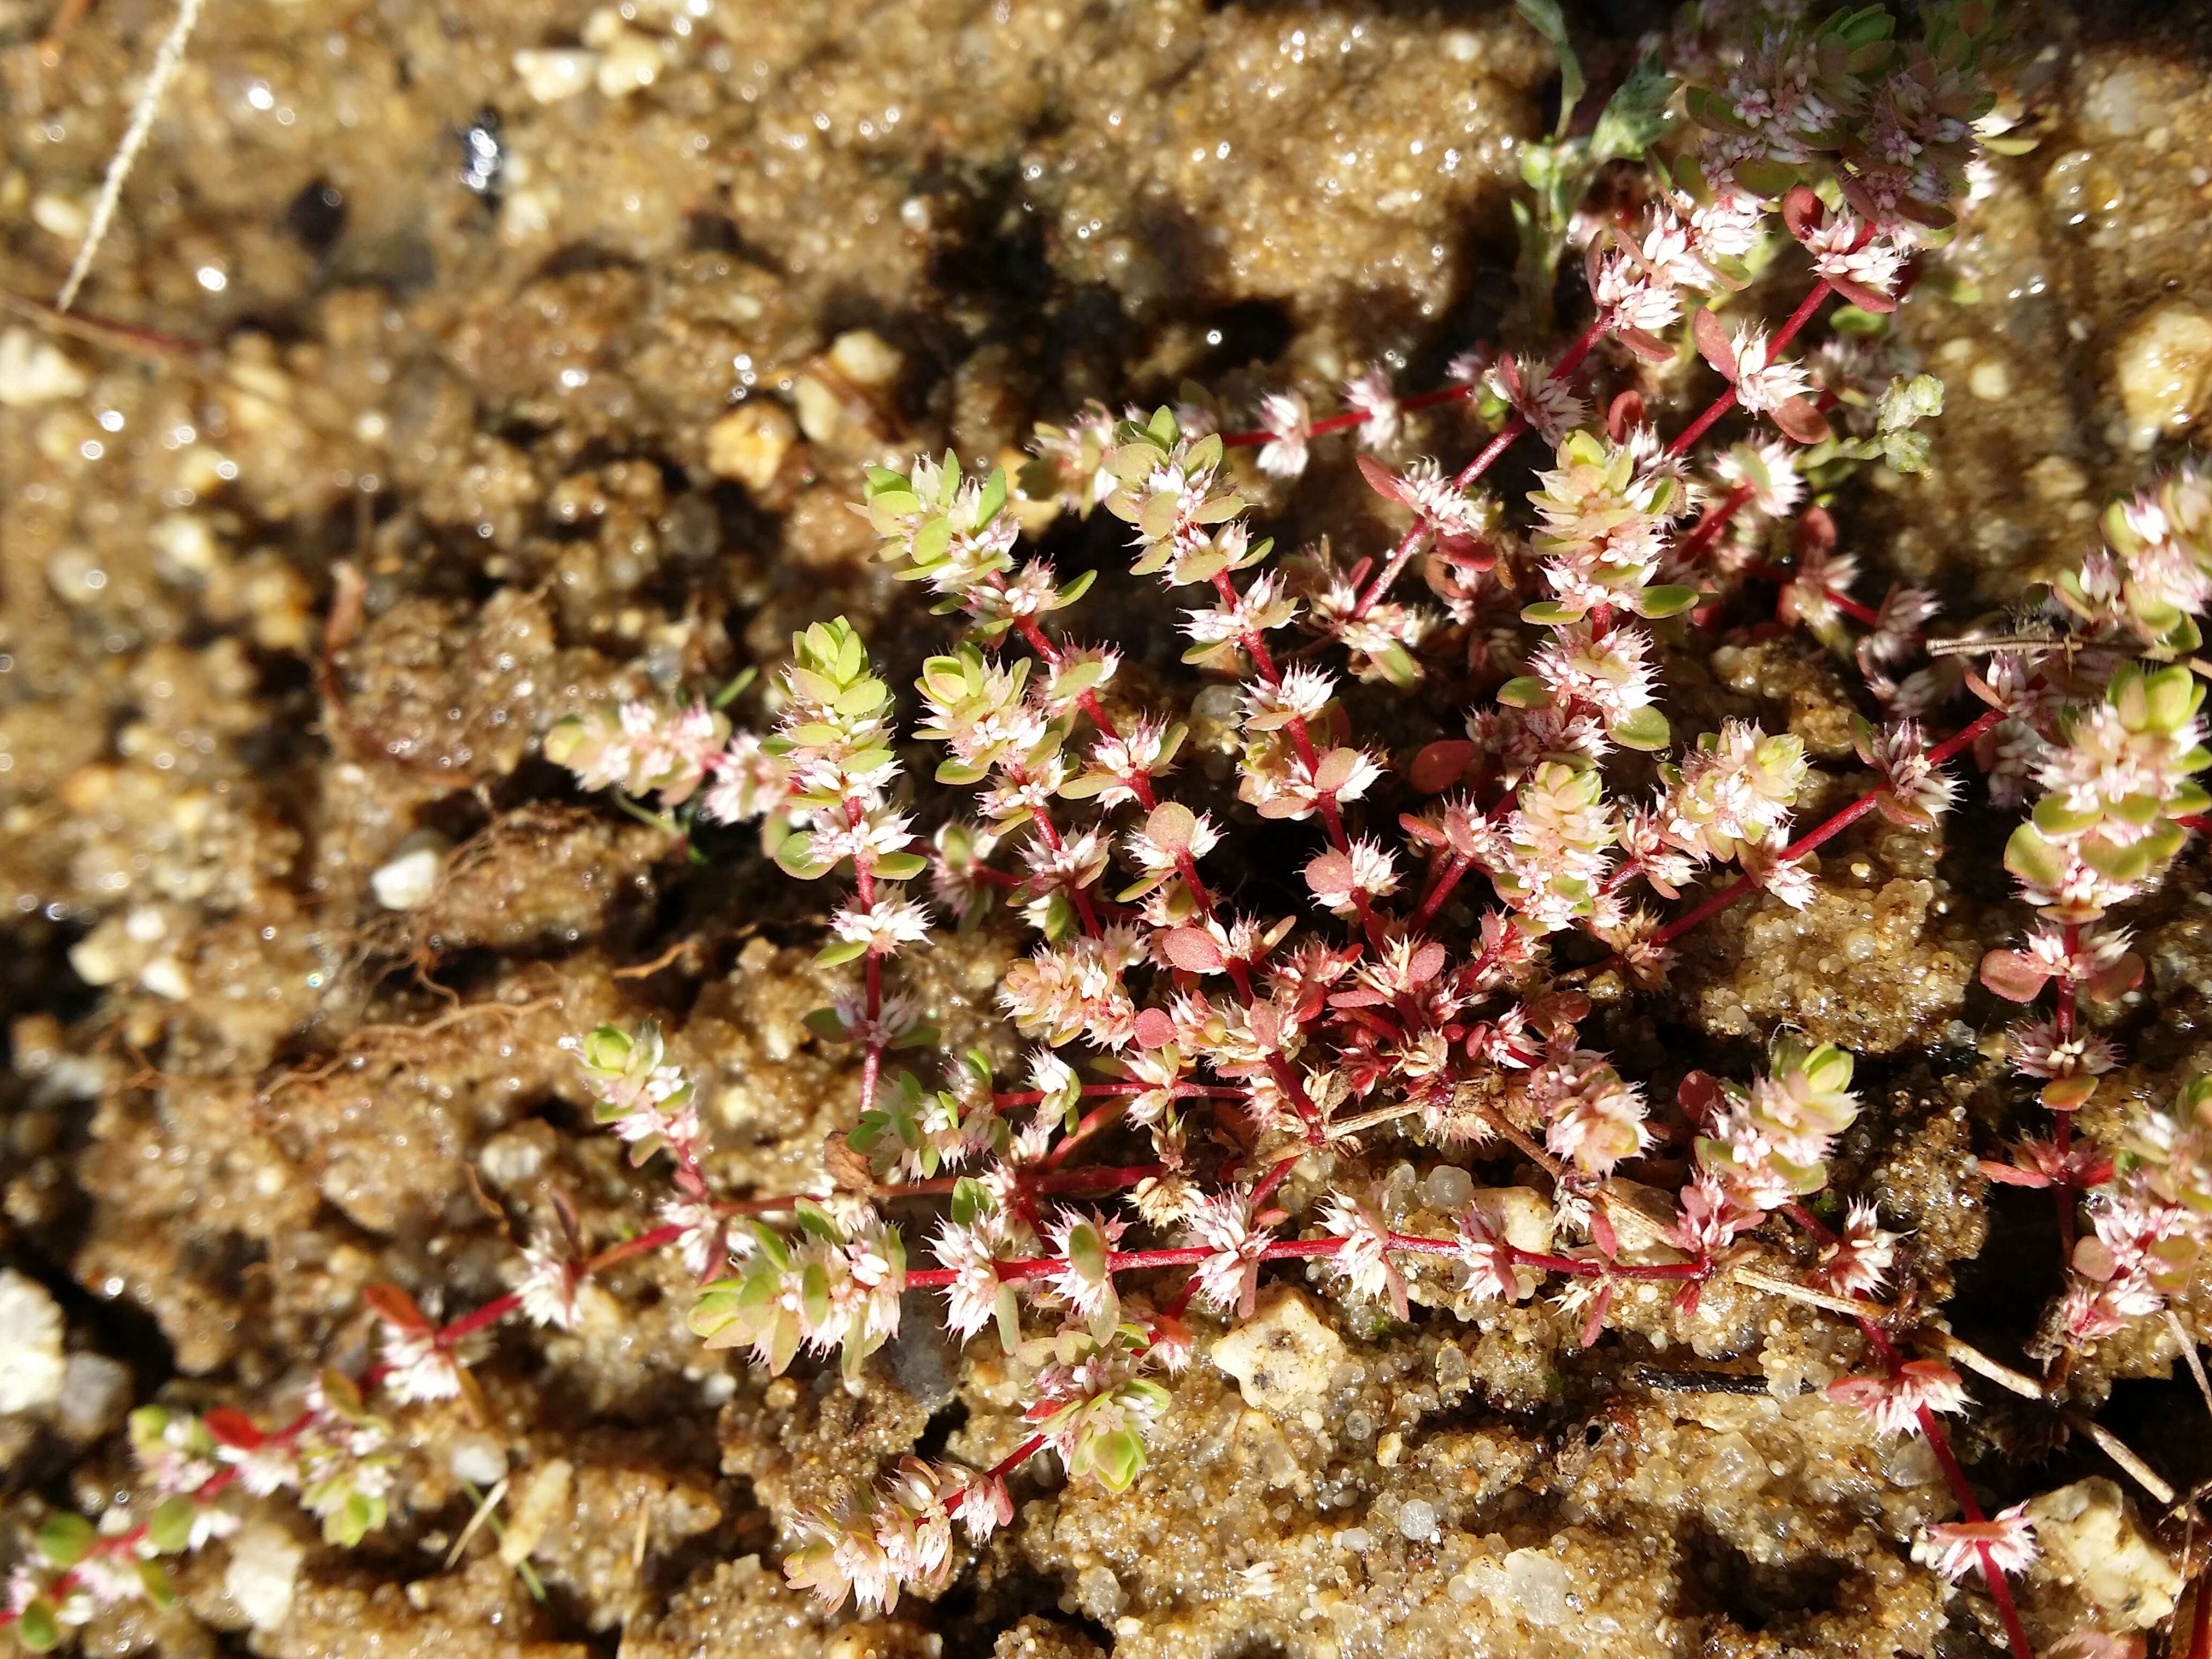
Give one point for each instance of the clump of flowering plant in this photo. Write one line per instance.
(1434, 970)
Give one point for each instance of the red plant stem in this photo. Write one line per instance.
(2200, 1621)
(1797, 319)
(499, 1307)
(1714, 520)
(1389, 574)
(1938, 1443)
(1518, 425)
(1439, 892)
(1696, 429)
(126, 1543)
(1273, 1179)
(1344, 422)
(1965, 736)
(1285, 1249)
(1729, 895)
(1447, 394)
(2062, 1190)
(1507, 435)
(2196, 820)
(1721, 405)
(1014, 1458)
(1099, 1178)
(1103, 1176)
(1474, 469)
(1961, 739)
(1588, 1267)
(1050, 837)
(1993, 1578)
(1096, 1090)
(1864, 615)
(1092, 1123)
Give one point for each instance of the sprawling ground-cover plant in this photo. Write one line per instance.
(1438, 979)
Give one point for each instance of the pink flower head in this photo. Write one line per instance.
(1896, 1400)
(2006, 1541)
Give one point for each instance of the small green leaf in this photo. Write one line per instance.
(37, 1629)
(900, 867)
(993, 497)
(1551, 613)
(169, 1528)
(2054, 817)
(1544, 16)
(65, 1539)
(794, 856)
(971, 1199)
(1635, 117)
(1082, 678)
(736, 689)
(840, 951)
(1667, 599)
(154, 1579)
(1851, 321)
(1644, 728)
(1116, 1457)
(2030, 857)
(1525, 691)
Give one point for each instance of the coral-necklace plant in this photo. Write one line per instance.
(1442, 984)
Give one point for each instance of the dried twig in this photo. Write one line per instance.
(646, 970)
(2116, 1448)
(169, 58)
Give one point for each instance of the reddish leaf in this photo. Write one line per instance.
(395, 1307)
(1865, 298)
(1860, 200)
(1440, 765)
(1699, 1095)
(1802, 212)
(1649, 347)
(2014, 975)
(2068, 1094)
(1555, 1013)
(2012, 1174)
(1601, 1233)
(233, 1427)
(1330, 873)
(2115, 981)
(1383, 481)
(1816, 532)
(1428, 962)
(1802, 421)
(1623, 415)
(1335, 769)
(2093, 1259)
(1171, 826)
(1713, 343)
(1154, 1029)
(1192, 949)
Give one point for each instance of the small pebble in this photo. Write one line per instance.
(550, 77)
(1539, 1586)
(407, 880)
(1448, 1188)
(479, 1460)
(748, 445)
(95, 1393)
(34, 371)
(264, 1566)
(1417, 1522)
